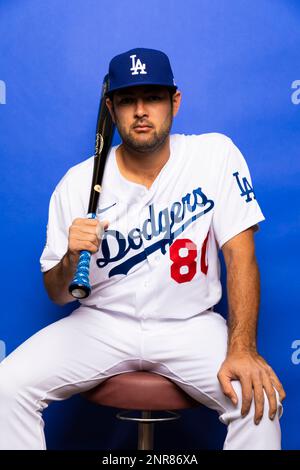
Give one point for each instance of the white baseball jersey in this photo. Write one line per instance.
(159, 256)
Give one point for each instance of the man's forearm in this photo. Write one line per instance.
(57, 279)
(243, 290)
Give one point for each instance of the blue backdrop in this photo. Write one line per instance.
(237, 65)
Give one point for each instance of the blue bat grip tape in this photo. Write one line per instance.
(81, 276)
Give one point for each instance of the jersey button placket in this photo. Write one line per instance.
(145, 289)
(146, 286)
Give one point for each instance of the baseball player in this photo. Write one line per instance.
(169, 203)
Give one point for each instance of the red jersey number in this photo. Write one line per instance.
(183, 253)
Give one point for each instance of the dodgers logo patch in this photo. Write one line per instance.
(245, 187)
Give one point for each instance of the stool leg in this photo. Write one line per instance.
(145, 433)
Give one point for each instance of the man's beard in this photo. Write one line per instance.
(153, 141)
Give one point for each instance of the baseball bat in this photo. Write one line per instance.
(80, 284)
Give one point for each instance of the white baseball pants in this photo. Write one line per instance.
(78, 352)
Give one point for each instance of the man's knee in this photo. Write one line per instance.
(235, 412)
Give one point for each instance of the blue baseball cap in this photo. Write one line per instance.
(140, 66)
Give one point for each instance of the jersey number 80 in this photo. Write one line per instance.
(183, 253)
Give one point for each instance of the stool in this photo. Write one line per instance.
(145, 392)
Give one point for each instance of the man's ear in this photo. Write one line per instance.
(176, 102)
(109, 104)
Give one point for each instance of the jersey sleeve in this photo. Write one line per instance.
(236, 206)
(57, 231)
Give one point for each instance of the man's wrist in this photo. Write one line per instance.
(241, 348)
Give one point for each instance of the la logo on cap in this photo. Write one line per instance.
(137, 66)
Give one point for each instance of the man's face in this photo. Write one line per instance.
(143, 116)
